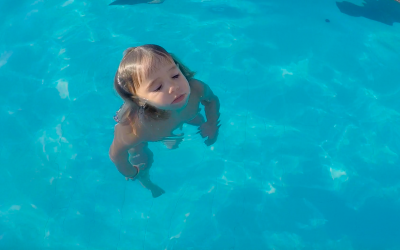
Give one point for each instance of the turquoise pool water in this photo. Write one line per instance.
(308, 153)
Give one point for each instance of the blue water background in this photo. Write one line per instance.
(308, 152)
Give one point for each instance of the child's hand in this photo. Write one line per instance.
(140, 168)
(209, 130)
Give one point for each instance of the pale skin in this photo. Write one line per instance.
(167, 89)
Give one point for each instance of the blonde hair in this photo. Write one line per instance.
(137, 64)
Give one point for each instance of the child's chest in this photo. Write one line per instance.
(158, 130)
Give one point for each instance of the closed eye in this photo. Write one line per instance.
(176, 76)
(158, 89)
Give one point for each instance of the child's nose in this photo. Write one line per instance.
(173, 87)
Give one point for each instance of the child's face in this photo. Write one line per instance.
(166, 88)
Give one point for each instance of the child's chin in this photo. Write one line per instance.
(175, 106)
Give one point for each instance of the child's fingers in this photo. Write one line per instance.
(210, 141)
(141, 166)
(201, 133)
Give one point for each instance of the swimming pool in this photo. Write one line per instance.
(308, 152)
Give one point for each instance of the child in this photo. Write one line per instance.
(160, 95)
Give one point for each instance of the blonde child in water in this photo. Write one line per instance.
(160, 95)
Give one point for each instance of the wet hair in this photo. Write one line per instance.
(137, 64)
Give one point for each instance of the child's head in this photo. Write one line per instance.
(151, 78)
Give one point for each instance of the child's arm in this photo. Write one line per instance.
(119, 151)
(211, 107)
(209, 100)
(124, 141)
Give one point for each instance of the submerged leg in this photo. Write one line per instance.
(144, 179)
(144, 155)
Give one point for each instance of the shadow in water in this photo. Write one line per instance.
(227, 11)
(384, 11)
(133, 2)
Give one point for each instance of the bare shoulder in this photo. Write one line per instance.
(124, 136)
(201, 89)
(197, 86)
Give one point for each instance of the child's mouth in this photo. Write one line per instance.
(179, 99)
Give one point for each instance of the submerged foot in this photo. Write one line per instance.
(156, 191)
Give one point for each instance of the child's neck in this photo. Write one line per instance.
(177, 112)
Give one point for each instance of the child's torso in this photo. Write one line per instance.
(158, 130)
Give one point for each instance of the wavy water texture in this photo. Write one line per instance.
(308, 151)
